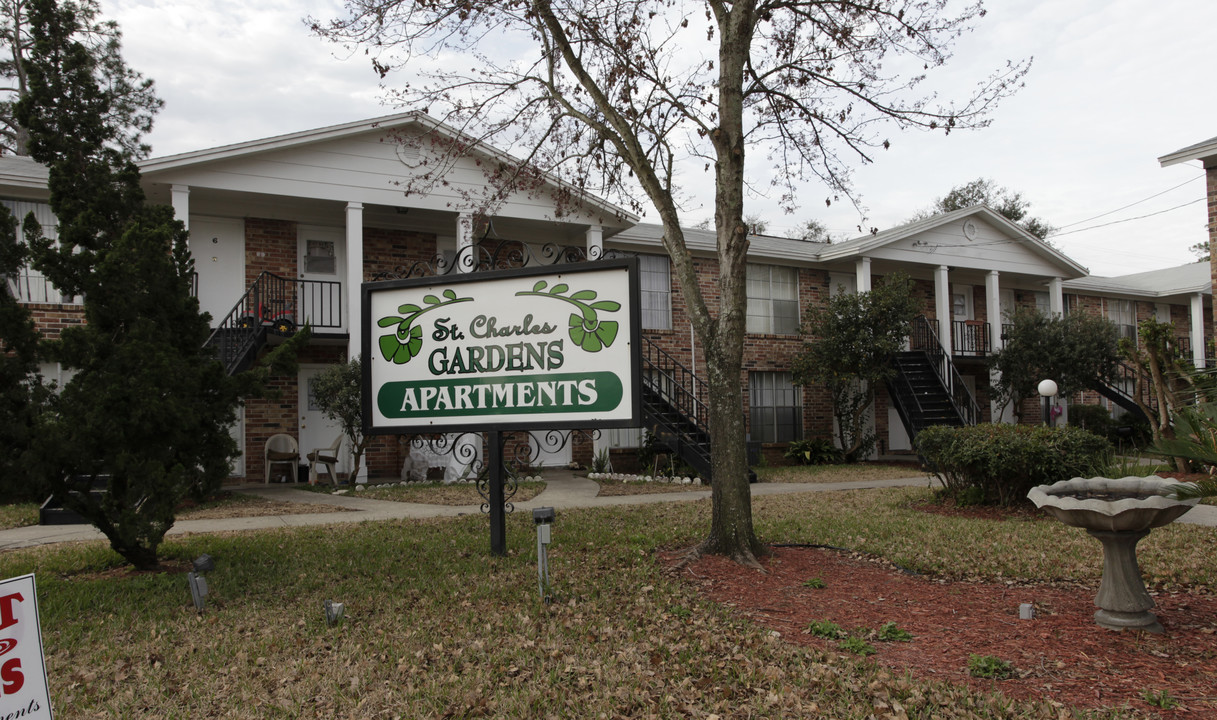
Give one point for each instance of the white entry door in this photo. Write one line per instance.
(549, 453)
(316, 430)
(322, 260)
(218, 248)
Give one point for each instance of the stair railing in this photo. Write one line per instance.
(925, 339)
(271, 304)
(676, 384)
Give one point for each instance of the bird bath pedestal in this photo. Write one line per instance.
(1118, 512)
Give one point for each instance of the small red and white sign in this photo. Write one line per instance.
(24, 691)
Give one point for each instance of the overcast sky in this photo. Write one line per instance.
(1115, 84)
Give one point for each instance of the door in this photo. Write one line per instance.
(552, 447)
(237, 431)
(316, 430)
(322, 265)
(218, 248)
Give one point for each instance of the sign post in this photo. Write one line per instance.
(555, 348)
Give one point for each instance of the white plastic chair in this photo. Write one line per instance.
(280, 449)
(327, 456)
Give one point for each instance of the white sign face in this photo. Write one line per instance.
(23, 685)
(517, 349)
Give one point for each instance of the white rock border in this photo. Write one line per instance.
(628, 477)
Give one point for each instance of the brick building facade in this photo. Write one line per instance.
(971, 269)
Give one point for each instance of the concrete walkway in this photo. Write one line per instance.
(563, 490)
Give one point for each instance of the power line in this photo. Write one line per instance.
(1117, 222)
(1151, 197)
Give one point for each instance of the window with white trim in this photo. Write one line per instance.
(1124, 314)
(773, 299)
(776, 407)
(655, 280)
(27, 284)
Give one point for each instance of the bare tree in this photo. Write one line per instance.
(631, 99)
(132, 100)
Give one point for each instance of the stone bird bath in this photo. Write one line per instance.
(1118, 512)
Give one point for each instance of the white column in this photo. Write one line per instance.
(354, 278)
(595, 242)
(1056, 297)
(862, 270)
(352, 295)
(993, 309)
(942, 306)
(465, 261)
(1198, 330)
(180, 199)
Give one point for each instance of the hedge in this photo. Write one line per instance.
(997, 464)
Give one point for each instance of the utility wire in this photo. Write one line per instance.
(1151, 197)
(1117, 222)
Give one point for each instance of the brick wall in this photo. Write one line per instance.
(51, 319)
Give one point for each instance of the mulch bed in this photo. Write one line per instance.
(1061, 655)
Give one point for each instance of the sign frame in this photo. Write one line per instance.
(567, 272)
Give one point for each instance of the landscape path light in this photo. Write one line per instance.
(1048, 389)
(543, 516)
(198, 583)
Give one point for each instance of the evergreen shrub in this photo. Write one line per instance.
(998, 464)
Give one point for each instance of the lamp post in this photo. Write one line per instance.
(1047, 389)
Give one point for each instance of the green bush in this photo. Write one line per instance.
(1006, 461)
(815, 451)
(1127, 430)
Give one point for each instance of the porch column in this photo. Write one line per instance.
(1198, 330)
(180, 199)
(595, 242)
(465, 262)
(354, 278)
(1056, 297)
(862, 270)
(993, 309)
(942, 306)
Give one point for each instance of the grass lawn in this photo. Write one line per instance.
(18, 515)
(858, 472)
(436, 627)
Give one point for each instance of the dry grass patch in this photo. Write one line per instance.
(858, 472)
(436, 627)
(455, 494)
(239, 504)
(18, 515)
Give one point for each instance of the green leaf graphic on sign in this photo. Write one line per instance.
(407, 341)
(587, 330)
(595, 338)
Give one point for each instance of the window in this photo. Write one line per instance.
(1042, 302)
(27, 284)
(1123, 314)
(773, 300)
(776, 407)
(319, 258)
(656, 292)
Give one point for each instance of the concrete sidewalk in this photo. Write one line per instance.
(563, 490)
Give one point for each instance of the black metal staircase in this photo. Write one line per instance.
(674, 407)
(273, 306)
(927, 389)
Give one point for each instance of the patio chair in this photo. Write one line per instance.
(327, 456)
(281, 449)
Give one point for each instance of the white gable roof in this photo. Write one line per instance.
(995, 244)
(360, 162)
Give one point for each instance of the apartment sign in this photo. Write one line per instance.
(510, 350)
(24, 690)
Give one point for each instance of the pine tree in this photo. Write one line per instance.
(146, 414)
(22, 394)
